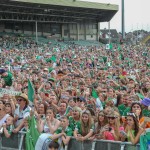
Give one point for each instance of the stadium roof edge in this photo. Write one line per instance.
(74, 3)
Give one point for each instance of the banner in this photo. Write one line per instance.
(9, 92)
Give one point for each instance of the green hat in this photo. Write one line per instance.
(51, 79)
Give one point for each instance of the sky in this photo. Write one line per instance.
(137, 15)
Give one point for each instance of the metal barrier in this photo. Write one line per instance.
(17, 142)
(101, 145)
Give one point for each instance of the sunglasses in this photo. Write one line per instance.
(19, 100)
(112, 118)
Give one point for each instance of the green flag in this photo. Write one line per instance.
(32, 134)
(30, 91)
(94, 93)
(53, 58)
(28, 141)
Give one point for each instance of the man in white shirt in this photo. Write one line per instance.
(21, 112)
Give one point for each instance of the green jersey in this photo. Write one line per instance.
(79, 129)
(72, 123)
(68, 131)
(8, 79)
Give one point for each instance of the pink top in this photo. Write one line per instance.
(109, 136)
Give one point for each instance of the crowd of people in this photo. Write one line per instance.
(83, 92)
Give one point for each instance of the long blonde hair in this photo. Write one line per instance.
(99, 125)
(86, 128)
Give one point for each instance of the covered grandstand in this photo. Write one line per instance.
(70, 19)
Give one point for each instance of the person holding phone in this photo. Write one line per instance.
(114, 128)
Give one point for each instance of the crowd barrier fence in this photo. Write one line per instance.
(17, 142)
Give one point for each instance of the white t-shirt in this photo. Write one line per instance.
(21, 114)
(2, 121)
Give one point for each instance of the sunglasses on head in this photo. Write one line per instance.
(136, 102)
(86, 112)
(131, 114)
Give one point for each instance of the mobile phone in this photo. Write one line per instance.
(109, 129)
(123, 133)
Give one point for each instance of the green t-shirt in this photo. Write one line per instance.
(72, 123)
(121, 109)
(128, 109)
(146, 113)
(8, 79)
(79, 129)
(128, 137)
(68, 131)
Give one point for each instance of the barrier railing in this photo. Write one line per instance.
(17, 142)
(101, 145)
